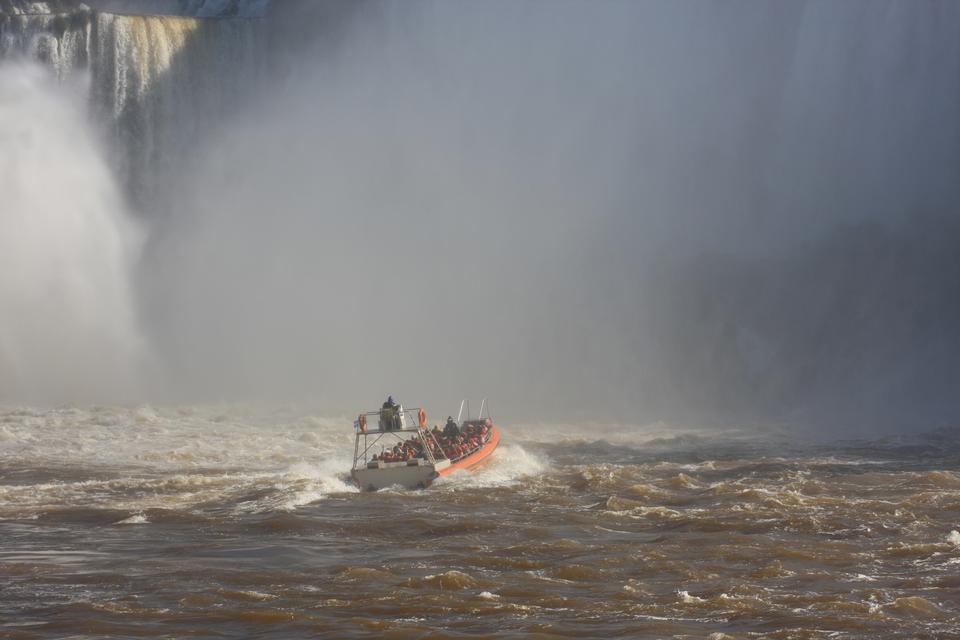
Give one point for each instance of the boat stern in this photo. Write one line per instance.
(414, 474)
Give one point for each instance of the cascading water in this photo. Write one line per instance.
(152, 86)
(68, 328)
(157, 82)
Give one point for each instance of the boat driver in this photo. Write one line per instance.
(451, 430)
(390, 419)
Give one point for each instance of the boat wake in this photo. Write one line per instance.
(509, 465)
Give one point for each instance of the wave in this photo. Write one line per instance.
(185, 438)
(510, 464)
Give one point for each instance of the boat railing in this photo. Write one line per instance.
(484, 405)
(372, 433)
(465, 405)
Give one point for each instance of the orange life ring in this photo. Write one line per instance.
(422, 418)
(363, 423)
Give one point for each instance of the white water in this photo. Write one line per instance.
(234, 458)
(67, 250)
(508, 465)
(185, 458)
(172, 459)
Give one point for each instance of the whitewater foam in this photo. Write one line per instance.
(508, 465)
(68, 330)
(185, 458)
(137, 518)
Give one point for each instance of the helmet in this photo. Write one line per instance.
(390, 399)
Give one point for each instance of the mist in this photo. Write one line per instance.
(616, 211)
(68, 328)
(738, 212)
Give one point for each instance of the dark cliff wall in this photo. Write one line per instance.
(197, 8)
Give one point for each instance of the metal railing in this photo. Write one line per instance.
(372, 436)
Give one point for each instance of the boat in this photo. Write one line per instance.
(425, 454)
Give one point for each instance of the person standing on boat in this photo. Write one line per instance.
(391, 415)
(451, 430)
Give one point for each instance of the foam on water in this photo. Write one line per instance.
(137, 518)
(694, 534)
(686, 598)
(189, 438)
(509, 465)
(193, 457)
(306, 482)
(146, 458)
(627, 435)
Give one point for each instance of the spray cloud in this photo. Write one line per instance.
(68, 328)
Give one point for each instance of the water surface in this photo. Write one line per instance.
(228, 523)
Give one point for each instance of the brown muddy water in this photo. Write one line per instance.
(228, 524)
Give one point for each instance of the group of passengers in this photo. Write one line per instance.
(457, 442)
(402, 451)
(452, 442)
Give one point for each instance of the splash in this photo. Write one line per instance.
(68, 330)
(509, 464)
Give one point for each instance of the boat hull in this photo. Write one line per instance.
(420, 474)
(478, 457)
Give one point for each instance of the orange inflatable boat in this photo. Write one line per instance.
(395, 453)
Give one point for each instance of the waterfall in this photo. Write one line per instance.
(96, 109)
(157, 83)
(68, 328)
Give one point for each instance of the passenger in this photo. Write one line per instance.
(451, 429)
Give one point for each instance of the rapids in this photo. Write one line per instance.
(233, 521)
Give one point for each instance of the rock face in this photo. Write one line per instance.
(161, 74)
(30, 7)
(155, 82)
(196, 8)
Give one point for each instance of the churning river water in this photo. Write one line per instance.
(226, 523)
